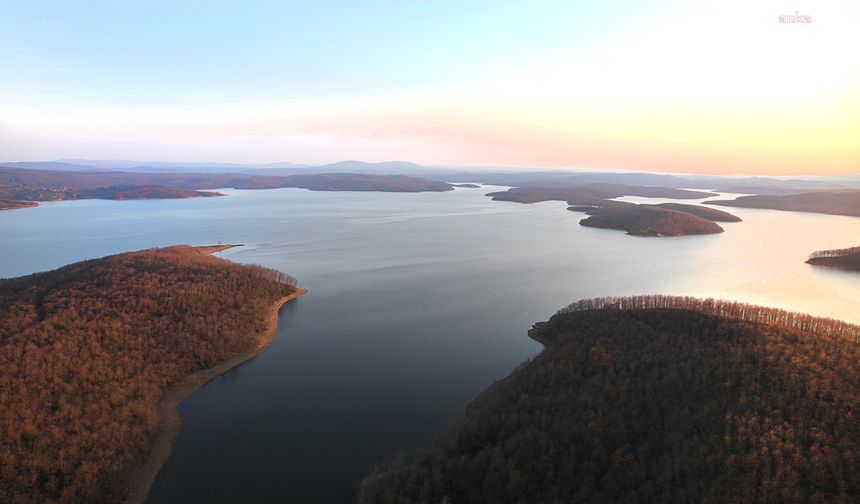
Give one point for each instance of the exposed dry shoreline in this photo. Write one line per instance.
(212, 249)
(168, 408)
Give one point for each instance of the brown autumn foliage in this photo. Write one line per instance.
(648, 220)
(847, 258)
(701, 211)
(87, 351)
(656, 399)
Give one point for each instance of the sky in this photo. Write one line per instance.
(718, 87)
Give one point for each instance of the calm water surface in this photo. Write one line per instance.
(417, 302)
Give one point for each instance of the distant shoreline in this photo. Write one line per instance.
(33, 184)
(170, 421)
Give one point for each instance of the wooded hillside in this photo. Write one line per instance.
(651, 400)
(87, 351)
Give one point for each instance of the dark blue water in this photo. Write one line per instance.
(417, 302)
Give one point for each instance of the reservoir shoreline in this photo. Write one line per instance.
(170, 420)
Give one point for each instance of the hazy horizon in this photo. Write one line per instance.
(708, 87)
(130, 164)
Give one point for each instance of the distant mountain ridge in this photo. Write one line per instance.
(514, 177)
(168, 166)
(78, 178)
(51, 165)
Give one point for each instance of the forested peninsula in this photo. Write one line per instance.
(6, 204)
(91, 351)
(847, 259)
(655, 399)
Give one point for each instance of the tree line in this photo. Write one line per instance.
(835, 253)
(271, 275)
(724, 309)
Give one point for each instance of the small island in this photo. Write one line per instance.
(830, 202)
(97, 355)
(845, 259)
(655, 399)
(596, 200)
(647, 220)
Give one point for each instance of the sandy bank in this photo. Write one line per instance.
(168, 408)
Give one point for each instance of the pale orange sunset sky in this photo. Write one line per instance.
(695, 87)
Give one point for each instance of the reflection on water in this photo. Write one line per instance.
(417, 302)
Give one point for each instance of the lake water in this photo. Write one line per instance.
(417, 302)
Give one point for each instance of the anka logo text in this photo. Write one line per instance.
(795, 18)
